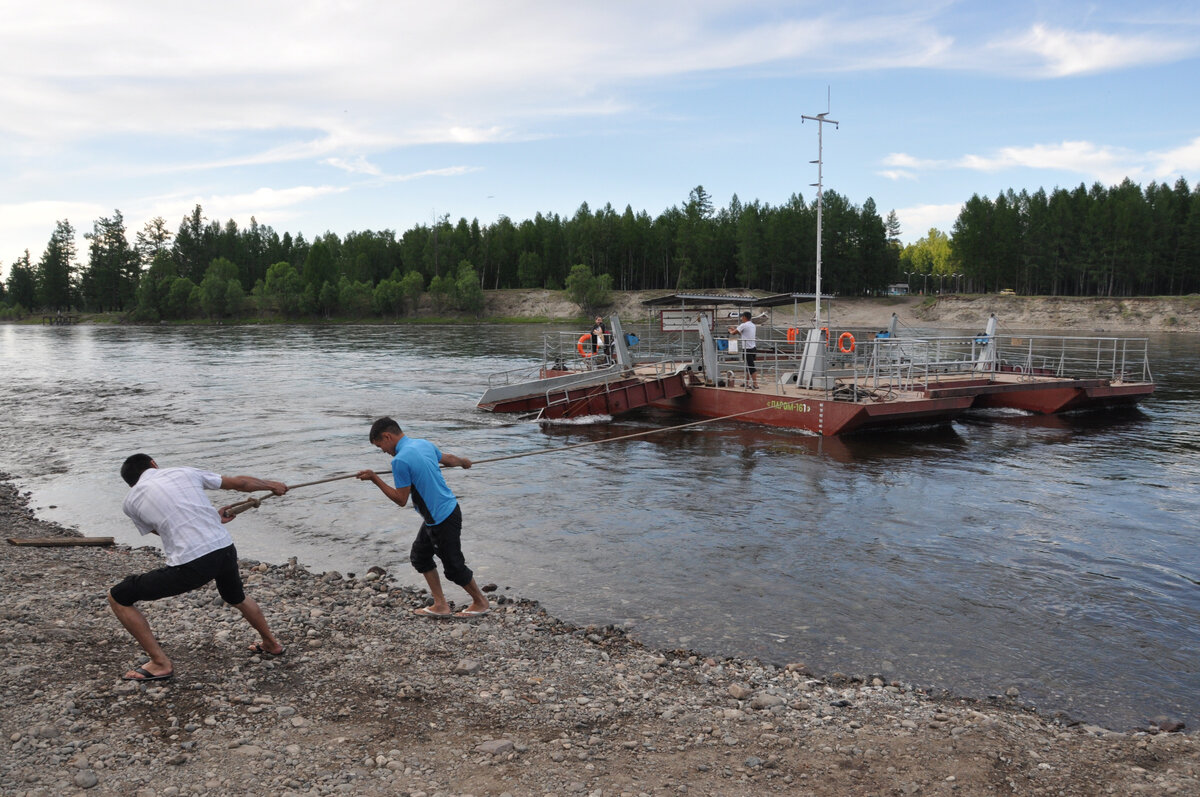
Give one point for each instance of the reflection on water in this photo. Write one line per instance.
(1055, 554)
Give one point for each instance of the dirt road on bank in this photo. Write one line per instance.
(1083, 315)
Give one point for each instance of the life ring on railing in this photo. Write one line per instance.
(842, 347)
(825, 335)
(791, 334)
(586, 337)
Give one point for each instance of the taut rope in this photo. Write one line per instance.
(253, 503)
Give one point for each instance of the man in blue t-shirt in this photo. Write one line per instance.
(416, 473)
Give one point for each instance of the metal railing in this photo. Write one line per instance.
(905, 364)
(874, 364)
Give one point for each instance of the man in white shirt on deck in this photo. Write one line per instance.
(171, 503)
(748, 334)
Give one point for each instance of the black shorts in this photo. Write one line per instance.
(444, 541)
(750, 355)
(220, 565)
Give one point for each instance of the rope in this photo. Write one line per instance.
(254, 503)
(622, 437)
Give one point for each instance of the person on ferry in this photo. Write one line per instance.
(748, 334)
(601, 339)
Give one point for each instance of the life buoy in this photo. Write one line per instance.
(791, 334)
(825, 334)
(842, 339)
(586, 337)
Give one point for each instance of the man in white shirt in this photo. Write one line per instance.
(171, 503)
(749, 334)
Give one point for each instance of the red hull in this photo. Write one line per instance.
(820, 416)
(941, 403)
(1046, 397)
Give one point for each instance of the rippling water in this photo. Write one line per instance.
(1058, 555)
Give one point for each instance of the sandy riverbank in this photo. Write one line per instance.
(371, 700)
(1083, 315)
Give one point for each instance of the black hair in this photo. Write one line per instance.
(746, 315)
(383, 426)
(134, 466)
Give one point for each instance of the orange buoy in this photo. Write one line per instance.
(845, 343)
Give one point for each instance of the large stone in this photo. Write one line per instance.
(495, 746)
(764, 701)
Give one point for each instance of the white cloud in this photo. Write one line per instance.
(33, 222)
(449, 171)
(239, 207)
(358, 165)
(1184, 160)
(1063, 53)
(903, 160)
(916, 221)
(1107, 164)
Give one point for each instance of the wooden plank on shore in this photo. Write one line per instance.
(59, 542)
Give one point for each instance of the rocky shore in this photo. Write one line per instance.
(369, 699)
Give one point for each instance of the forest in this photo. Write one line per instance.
(1118, 241)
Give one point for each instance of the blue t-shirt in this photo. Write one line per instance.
(416, 465)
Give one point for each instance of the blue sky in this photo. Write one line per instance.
(341, 116)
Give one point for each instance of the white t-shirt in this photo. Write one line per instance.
(748, 333)
(172, 502)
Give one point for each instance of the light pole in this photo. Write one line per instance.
(908, 280)
(925, 285)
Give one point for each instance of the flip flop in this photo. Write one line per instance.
(427, 611)
(258, 650)
(146, 675)
(467, 614)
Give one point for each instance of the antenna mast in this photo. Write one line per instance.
(821, 120)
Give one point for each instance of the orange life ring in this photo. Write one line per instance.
(825, 334)
(586, 337)
(791, 334)
(842, 338)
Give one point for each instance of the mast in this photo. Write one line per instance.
(821, 120)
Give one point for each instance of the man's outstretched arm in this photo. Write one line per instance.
(249, 484)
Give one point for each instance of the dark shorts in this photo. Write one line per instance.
(750, 355)
(445, 542)
(220, 565)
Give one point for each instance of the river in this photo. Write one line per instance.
(1056, 555)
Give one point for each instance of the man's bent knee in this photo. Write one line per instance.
(124, 593)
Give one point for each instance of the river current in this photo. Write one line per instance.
(1058, 555)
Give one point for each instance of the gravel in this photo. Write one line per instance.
(369, 699)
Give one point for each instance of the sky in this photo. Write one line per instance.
(342, 116)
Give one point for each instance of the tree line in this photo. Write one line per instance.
(1118, 241)
(208, 269)
(1099, 241)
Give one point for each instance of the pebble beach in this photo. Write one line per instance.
(370, 699)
